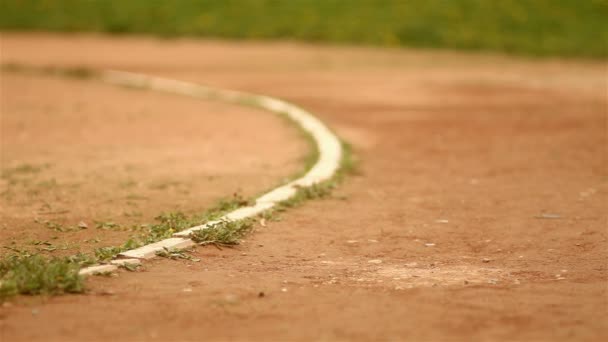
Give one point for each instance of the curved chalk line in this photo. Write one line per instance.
(328, 163)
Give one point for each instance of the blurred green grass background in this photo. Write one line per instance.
(568, 28)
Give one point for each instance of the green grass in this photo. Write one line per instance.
(223, 233)
(531, 27)
(34, 274)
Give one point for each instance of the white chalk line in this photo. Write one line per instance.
(328, 146)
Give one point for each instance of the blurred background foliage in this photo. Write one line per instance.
(575, 28)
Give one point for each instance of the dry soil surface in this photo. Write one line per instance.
(85, 164)
(478, 211)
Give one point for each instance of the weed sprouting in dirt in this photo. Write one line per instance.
(74, 72)
(108, 253)
(59, 227)
(107, 225)
(33, 274)
(167, 224)
(129, 267)
(228, 204)
(323, 189)
(224, 233)
(23, 169)
(175, 254)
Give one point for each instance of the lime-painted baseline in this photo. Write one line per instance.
(328, 162)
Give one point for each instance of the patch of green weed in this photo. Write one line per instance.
(223, 233)
(175, 254)
(33, 274)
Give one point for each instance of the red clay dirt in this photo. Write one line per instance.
(109, 158)
(478, 211)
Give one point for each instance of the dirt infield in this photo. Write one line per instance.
(106, 158)
(478, 211)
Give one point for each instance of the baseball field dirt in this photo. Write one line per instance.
(477, 209)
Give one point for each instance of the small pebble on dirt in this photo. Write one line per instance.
(442, 221)
(187, 289)
(486, 260)
(375, 261)
(429, 244)
(261, 294)
(82, 225)
(352, 241)
(283, 290)
(372, 241)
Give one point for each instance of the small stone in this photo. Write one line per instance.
(429, 244)
(466, 282)
(486, 260)
(372, 240)
(82, 225)
(283, 290)
(352, 241)
(187, 290)
(411, 264)
(375, 261)
(442, 221)
(261, 294)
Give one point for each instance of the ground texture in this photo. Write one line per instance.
(478, 210)
(84, 164)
